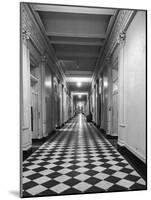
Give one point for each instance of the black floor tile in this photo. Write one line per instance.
(76, 162)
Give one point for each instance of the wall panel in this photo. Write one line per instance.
(132, 66)
(135, 55)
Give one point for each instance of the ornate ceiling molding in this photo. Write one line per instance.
(30, 25)
(117, 35)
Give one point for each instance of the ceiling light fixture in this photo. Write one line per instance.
(79, 79)
(79, 84)
(79, 95)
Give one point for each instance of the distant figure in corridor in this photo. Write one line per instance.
(89, 117)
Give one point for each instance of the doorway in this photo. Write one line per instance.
(115, 101)
(34, 106)
(100, 98)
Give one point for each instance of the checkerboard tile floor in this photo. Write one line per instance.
(78, 159)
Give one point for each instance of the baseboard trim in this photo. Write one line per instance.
(105, 132)
(135, 152)
(94, 123)
(26, 153)
(102, 130)
(134, 160)
(39, 139)
(111, 136)
(137, 163)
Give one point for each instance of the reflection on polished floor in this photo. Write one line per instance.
(78, 159)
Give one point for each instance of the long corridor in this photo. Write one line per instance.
(78, 159)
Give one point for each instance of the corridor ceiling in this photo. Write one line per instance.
(77, 35)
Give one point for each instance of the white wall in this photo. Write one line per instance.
(48, 100)
(105, 98)
(134, 87)
(26, 136)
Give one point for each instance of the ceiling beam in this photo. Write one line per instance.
(65, 55)
(78, 35)
(81, 70)
(72, 9)
(74, 85)
(63, 42)
(108, 32)
(75, 72)
(74, 57)
(38, 19)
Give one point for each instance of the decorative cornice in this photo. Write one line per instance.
(29, 24)
(52, 56)
(118, 28)
(117, 35)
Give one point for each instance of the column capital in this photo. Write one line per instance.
(26, 34)
(122, 38)
(44, 59)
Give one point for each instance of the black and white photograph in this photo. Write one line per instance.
(83, 85)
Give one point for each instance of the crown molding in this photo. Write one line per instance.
(31, 30)
(116, 37)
